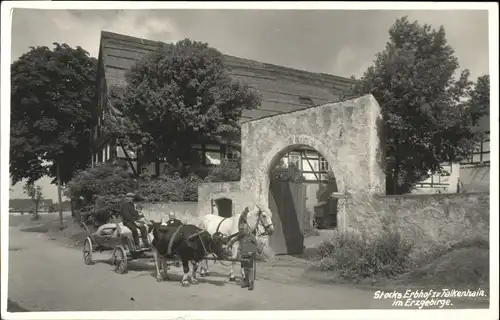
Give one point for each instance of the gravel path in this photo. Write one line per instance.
(45, 276)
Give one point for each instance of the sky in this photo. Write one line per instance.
(341, 43)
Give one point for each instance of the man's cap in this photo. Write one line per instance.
(130, 194)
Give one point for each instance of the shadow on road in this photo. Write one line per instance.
(173, 277)
(308, 254)
(139, 266)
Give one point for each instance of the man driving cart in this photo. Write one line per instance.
(133, 220)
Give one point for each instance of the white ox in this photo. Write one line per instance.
(258, 217)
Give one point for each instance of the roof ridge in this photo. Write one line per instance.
(274, 67)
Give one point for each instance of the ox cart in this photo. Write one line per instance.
(110, 237)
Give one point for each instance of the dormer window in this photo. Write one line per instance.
(306, 101)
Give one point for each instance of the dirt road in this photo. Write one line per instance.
(45, 276)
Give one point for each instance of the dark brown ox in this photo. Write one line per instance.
(186, 242)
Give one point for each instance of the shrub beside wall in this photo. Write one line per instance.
(389, 235)
(428, 221)
(353, 257)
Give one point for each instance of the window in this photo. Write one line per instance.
(107, 152)
(211, 154)
(231, 155)
(306, 101)
(309, 164)
(323, 164)
(212, 157)
(121, 154)
(294, 158)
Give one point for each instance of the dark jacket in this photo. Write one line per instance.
(128, 211)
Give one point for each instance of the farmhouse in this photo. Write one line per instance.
(282, 90)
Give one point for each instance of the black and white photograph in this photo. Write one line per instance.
(189, 160)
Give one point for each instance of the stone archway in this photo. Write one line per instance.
(346, 133)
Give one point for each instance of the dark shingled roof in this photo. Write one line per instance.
(282, 89)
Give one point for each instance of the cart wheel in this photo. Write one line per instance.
(87, 251)
(119, 259)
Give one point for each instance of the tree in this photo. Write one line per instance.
(36, 195)
(425, 117)
(98, 190)
(53, 95)
(480, 99)
(175, 97)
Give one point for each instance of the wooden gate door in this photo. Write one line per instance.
(287, 203)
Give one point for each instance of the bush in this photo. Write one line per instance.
(98, 190)
(170, 187)
(352, 257)
(290, 173)
(227, 171)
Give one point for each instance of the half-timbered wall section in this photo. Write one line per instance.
(282, 90)
(472, 174)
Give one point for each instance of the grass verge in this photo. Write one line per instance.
(386, 263)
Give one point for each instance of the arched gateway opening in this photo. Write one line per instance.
(301, 184)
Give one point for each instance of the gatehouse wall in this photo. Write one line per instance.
(346, 133)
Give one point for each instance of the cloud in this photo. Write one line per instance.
(311, 40)
(82, 28)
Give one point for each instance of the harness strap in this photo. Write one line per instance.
(202, 243)
(220, 223)
(196, 234)
(233, 235)
(171, 242)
